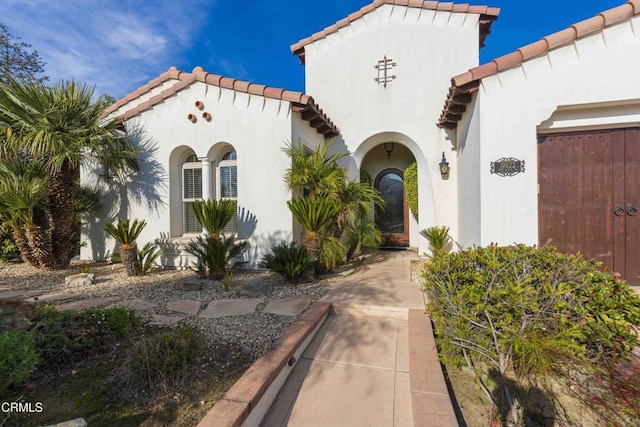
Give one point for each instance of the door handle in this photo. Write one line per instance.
(632, 210)
(619, 210)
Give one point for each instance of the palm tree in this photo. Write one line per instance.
(314, 215)
(356, 201)
(22, 208)
(62, 127)
(126, 233)
(316, 172)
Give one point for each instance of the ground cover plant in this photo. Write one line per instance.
(523, 319)
(107, 366)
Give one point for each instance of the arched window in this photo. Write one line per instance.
(191, 191)
(228, 183)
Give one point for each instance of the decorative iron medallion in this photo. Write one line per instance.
(507, 166)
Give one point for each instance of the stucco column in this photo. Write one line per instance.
(206, 178)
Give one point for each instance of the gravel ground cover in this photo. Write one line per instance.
(247, 336)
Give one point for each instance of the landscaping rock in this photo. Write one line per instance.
(189, 284)
(80, 279)
(136, 304)
(255, 288)
(12, 315)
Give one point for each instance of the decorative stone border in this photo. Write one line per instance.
(249, 399)
(430, 397)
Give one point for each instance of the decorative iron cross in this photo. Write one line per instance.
(384, 66)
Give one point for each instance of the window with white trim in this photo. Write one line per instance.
(228, 184)
(191, 191)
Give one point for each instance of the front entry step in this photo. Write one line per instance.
(400, 313)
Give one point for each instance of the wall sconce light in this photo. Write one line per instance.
(444, 167)
(388, 147)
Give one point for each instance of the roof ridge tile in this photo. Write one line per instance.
(490, 14)
(569, 35)
(300, 100)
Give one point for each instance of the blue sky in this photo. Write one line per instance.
(120, 45)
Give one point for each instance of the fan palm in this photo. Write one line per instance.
(22, 203)
(356, 202)
(62, 127)
(314, 215)
(126, 233)
(317, 172)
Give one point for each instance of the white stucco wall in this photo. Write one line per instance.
(429, 47)
(256, 127)
(590, 84)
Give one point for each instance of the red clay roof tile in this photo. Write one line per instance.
(300, 101)
(488, 16)
(469, 81)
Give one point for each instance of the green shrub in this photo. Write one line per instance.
(530, 312)
(410, 180)
(332, 252)
(215, 256)
(161, 359)
(289, 260)
(62, 338)
(147, 257)
(8, 249)
(18, 358)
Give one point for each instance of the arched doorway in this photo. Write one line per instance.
(393, 218)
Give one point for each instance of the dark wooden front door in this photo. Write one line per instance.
(589, 196)
(393, 219)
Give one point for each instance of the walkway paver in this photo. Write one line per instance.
(16, 294)
(59, 296)
(85, 303)
(161, 320)
(186, 306)
(137, 304)
(232, 307)
(288, 306)
(355, 371)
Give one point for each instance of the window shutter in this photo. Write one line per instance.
(229, 182)
(192, 184)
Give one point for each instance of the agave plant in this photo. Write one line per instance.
(313, 215)
(440, 243)
(291, 261)
(126, 233)
(214, 215)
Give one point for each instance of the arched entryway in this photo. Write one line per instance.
(393, 218)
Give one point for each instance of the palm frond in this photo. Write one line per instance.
(214, 215)
(125, 232)
(312, 214)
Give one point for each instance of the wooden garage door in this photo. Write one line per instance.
(589, 196)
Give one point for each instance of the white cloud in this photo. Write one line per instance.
(114, 45)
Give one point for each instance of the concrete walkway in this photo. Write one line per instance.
(355, 372)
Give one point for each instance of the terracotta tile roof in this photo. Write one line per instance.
(463, 85)
(301, 102)
(487, 16)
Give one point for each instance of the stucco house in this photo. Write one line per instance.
(543, 144)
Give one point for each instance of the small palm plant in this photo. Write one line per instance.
(214, 252)
(440, 243)
(291, 261)
(215, 257)
(147, 258)
(126, 233)
(314, 215)
(214, 215)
